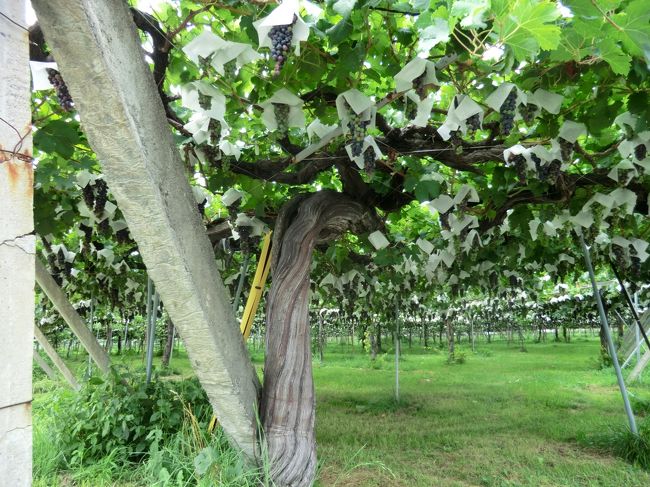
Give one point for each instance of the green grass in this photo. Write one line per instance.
(503, 418)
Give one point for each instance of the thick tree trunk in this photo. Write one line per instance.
(17, 249)
(450, 339)
(288, 395)
(99, 54)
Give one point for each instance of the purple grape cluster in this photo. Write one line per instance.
(62, 93)
(528, 112)
(419, 86)
(281, 36)
(640, 152)
(456, 141)
(369, 158)
(102, 196)
(281, 112)
(507, 112)
(88, 195)
(104, 227)
(519, 163)
(473, 123)
(357, 133)
(554, 170)
(123, 236)
(566, 149)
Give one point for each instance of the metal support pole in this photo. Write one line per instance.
(240, 284)
(92, 330)
(636, 330)
(151, 325)
(397, 351)
(626, 295)
(608, 336)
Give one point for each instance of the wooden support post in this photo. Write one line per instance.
(17, 249)
(54, 357)
(71, 317)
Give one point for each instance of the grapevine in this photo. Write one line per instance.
(281, 111)
(281, 36)
(456, 141)
(62, 93)
(507, 112)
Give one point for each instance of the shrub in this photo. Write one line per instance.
(121, 411)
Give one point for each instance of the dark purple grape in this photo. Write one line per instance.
(62, 93)
(473, 123)
(89, 195)
(507, 112)
(102, 194)
(528, 112)
(281, 36)
(566, 149)
(369, 158)
(640, 152)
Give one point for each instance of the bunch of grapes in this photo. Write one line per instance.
(473, 123)
(625, 176)
(507, 112)
(104, 227)
(281, 111)
(369, 158)
(593, 231)
(88, 235)
(204, 63)
(62, 93)
(635, 264)
(640, 152)
(444, 220)
(102, 194)
(357, 133)
(542, 171)
(89, 195)
(554, 170)
(122, 236)
(281, 36)
(205, 101)
(566, 149)
(410, 109)
(456, 141)
(619, 256)
(419, 85)
(201, 207)
(519, 163)
(230, 68)
(528, 112)
(214, 131)
(244, 238)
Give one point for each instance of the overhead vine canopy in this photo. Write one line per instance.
(482, 133)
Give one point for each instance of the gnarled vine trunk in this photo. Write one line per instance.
(288, 395)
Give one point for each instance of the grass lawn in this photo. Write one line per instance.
(502, 418)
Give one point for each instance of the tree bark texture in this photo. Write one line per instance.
(99, 54)
(288, 406)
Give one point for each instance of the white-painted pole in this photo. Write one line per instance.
(608, 337)
(17, 249)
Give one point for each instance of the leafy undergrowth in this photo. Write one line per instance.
(121, 431)
(502, 418)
